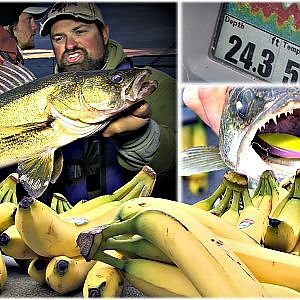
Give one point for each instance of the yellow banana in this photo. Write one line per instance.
(279, 291)
(153, 278)
(232, 214)
(214, 223)
(103, 280)
(283, 230)
(252, 219)
(54, 203)
(8, 189)
(296, 249)
(186, 137)
(14, 246)
(268, 265)
(198, 182)
(140, 185)
(7, 215)
(189, 244)
(37, 269)
(65, 274)
(3, 271)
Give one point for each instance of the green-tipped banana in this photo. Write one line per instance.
(103, 280)
(153, 278)
(283, 230)
(232, 215)
(140, 185)
(252, 219)
(189, 244)
(60, 203)
(135, 247)
(8, 190)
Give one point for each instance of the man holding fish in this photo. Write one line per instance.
(81, 41)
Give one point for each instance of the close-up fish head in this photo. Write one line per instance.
(250, 113)
(94, 96)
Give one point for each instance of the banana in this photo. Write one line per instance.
(135, 246)
(7, 215)
(186, 137)
(223, 204)
(8, 190)
(60, 207)
(296, 249)
(140, 185)
(54, 203)
(198, 182)
(65, 274)
(279, 291)
(37, 269)
(252, 219)
(189, 244)
(232, 214)
(14, 246)
(3, 271)
(283, 230)
(214, 223)
(103, 280)
(152, 278)
(268, 265)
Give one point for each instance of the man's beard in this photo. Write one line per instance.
(87, 64)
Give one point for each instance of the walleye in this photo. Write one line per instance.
(41, 116)
(251, 117)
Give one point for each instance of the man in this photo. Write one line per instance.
(81, 41)
(17, 30)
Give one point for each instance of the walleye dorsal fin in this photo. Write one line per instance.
(200, 159)
(12, 76)
(36, 172)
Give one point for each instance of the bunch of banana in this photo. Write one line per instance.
(8, 188)
(198, 254)
(37, 269)
(60, 203)
(3, 271)
(103, 280)
(219, 201)
(194, 134)
(47, 233)
(267, 265)
(283, 230)
(7, 215)
(65, 274)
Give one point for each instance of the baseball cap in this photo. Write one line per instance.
(36, 11)
(10, 12)
(79, 10)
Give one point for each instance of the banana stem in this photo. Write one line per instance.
(296, 186)
(110, 260)
(146, 174)
(90, 241)
(235, 201)
(247, 199)
(223, 204)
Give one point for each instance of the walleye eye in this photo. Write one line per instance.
(117, 78)
(243, 102)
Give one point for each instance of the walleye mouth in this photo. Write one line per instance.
(279, 138)
(140, 88)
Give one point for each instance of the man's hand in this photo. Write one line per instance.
(207, 103)
(132, 122)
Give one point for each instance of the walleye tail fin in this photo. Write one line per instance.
(200, 159)
(36, 173)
